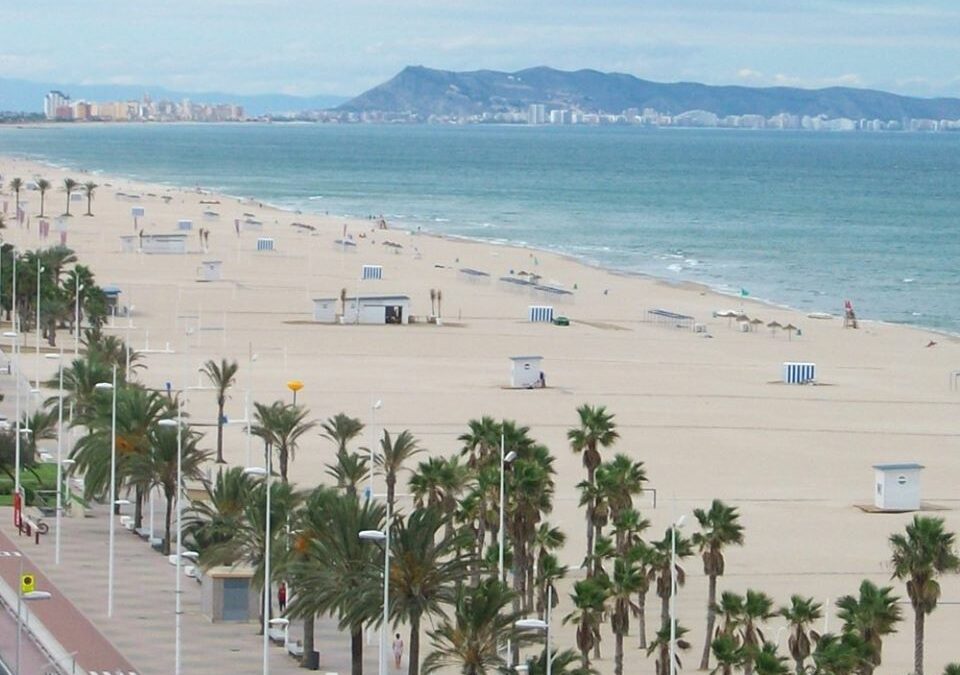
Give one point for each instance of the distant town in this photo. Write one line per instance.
(58, 106)
(540, 114)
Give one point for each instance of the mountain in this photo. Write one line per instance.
(425, 91)
(26, 96)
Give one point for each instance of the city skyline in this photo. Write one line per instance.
(250, 47)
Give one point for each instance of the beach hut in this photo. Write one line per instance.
(540, 313)
(371, 272)
(897, 486)
(265, 244)
(210, 270)
(227, 594)
(799, 373)
(369, 309)
(128, 243)
(163, 243)
(525, 371)
(112, 296)
(184, 224)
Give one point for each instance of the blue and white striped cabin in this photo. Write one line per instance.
(540, 313)
(799, 373)
(264, 244)
(371, 272)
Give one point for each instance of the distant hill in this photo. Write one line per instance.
(26, 96)
(425, 92)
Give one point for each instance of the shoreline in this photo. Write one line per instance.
(397, 225)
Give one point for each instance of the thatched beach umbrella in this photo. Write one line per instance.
(790, 328)
(756, 322)
(773, 326)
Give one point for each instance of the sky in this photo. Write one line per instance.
(343, 47)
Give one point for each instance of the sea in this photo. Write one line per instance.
(799, 219)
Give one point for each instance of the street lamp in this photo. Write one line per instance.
(21, 596)
(504, 460)
(265, 473)
(176, 423)
(76, 315)
(673, 593)
(539, 624)
(40, 270)
(111, 387)
(294, 386)
(14, 340)
(384, 536)
(373, 420)
(59, 357)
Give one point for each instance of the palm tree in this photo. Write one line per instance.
(69, 185)
(662, 565)
(719, 527)
(561, 663)
(757, 608)
(393, 453)
(341, 429)
(873, 615)
(427, 569)
(42, 185)
(214, 520)
(481, 623)
(728, 652)
(839, 655)
(919, 557)
(590, 602)
(88, 189)
(222, 376)
(618, 481)
(800, 616)
(597, 430)
(16, 185)
(334, 569)
(281, 425)
(349, 471)
(768, 662)
(481, 442)
(661, 645)
(952, 669)
(625, 581)
(440, 482)
(157, 468)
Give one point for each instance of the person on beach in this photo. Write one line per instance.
(397, 651)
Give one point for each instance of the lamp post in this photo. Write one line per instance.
(76, 315)
(251, 357)
(177, 611)
(504, 460)
(294, 386)
(14, 340)
(373, 420)
(56, 554)
(384, 536)
(40, 270)
(21, 597)
(259, 471)
(112, 387)
(544, 625)
(673, 593)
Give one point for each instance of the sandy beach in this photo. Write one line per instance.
(706, 412)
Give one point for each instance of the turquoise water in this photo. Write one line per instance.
(801, 219)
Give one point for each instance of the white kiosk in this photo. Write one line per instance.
(897, 486)
(525, 372)
(210, 270)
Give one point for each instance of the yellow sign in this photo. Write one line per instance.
(294, 385)
(27, 584)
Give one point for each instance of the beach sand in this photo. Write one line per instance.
(707, 415)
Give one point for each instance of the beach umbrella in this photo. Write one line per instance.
(756, 322)
(789, 328)
(773, 326)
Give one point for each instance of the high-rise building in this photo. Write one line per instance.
(537, 114)
(54, 103)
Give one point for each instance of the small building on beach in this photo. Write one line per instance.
(210, 270)
(163, 243)
(369, 309)
(525, 372)
(897, 486)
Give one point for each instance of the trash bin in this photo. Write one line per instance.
(313, 661)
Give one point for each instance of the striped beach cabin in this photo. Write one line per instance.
(371, 272)
(264, 244)
(799, 373)
(540, 313)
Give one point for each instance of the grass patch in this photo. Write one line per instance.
(48, 481)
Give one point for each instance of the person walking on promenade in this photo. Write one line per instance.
(282, 597)
(397, 651)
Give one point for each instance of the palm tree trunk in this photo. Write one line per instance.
(711, 621)
(284, 458)
(642, 617)
(166, 525)
(356, 650)
(800, 669)
(88, 204)
(138, 508)
(414, 665)
(307, 640)
(42, 196)
(664, 609)
(618, 653)
(918, 641)
(391, 481)
(220, 434)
